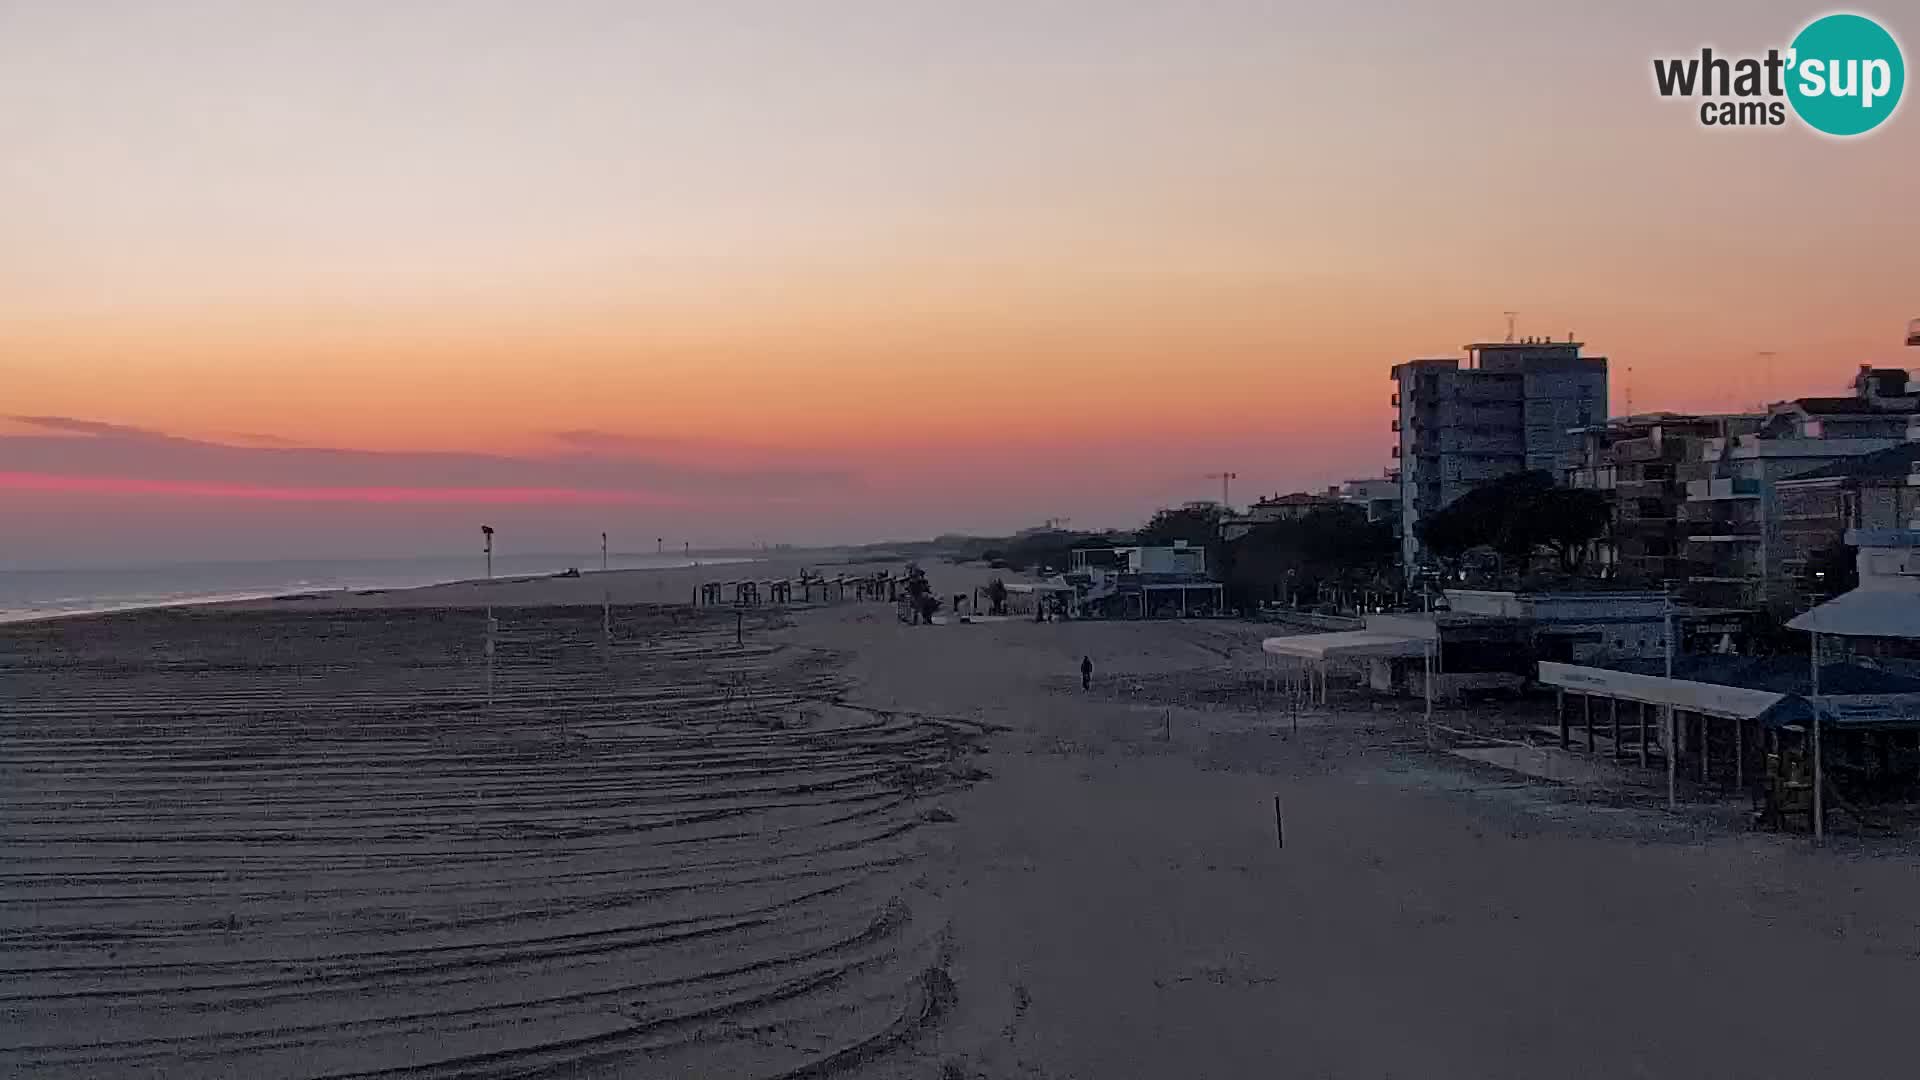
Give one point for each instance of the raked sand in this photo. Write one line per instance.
(683, 861)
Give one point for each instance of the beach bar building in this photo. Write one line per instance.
(1876, 624)
(1853, 703)
(1483, 641)
(1144, 581)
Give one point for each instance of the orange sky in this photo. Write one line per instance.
(1060, 261)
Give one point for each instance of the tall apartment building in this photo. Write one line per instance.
(1510, 407)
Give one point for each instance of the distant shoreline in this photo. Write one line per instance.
(293, 593)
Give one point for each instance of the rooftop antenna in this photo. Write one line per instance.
(1767, 387)
(1511, 315)
(1629, 389)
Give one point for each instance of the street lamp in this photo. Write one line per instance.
(487, 532)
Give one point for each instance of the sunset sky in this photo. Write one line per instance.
(282, 278)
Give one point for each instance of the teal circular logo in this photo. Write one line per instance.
(1845, 74)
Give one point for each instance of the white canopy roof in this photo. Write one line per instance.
(1733, 702)
(1865, 613)
(1054, 584)
(1347, 643)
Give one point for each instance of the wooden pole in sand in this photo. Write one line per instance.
(489, 650)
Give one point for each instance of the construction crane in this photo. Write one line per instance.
(1226, 480)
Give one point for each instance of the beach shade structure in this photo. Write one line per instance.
(1312, 653)
(1886, 605)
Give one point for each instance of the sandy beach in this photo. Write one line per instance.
(295, 839)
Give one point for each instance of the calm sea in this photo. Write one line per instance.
(39, 594)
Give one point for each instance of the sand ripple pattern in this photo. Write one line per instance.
(269, 845)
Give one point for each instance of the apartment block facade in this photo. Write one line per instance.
(1638, 463)
(1508, 407)
(1742, 549)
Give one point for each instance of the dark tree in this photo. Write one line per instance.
(1283, 560)
(1198, 525)
(1565, 521)
(996, 597)
(920, 598)
(1516, 516)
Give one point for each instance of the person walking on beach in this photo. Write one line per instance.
(1086, 673)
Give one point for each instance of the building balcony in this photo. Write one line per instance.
(1396, 424)
(1396, 400)
(1396, 450)
(1726, 488)
(1628, 450)
(1646, 489)
(1723, 532)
